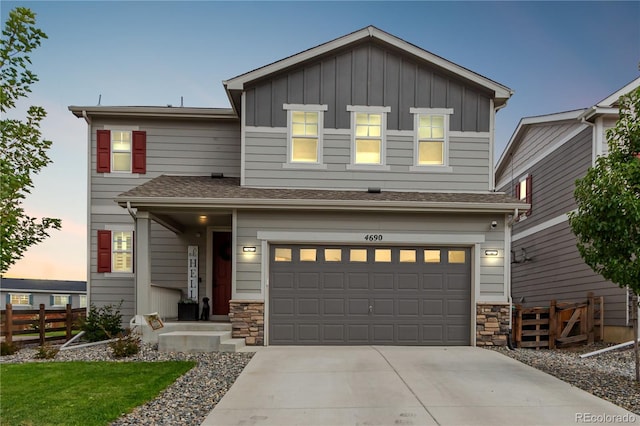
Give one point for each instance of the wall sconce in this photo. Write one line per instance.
(249, 249)
(491, 252)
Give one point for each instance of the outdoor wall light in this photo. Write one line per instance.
(249, 249)
(491, 252)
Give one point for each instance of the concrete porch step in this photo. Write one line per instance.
(193, 341)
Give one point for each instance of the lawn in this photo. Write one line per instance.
(80, 393)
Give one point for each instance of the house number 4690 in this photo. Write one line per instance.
(373, 237)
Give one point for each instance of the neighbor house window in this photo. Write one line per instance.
(115, 250)
(524, 191)
(60, 300)
(305, 124)
(121, 151)
(24, 299)
(83, 300)
(368, 127)
(431, 136)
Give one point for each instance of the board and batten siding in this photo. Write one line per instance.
(249, 223)
(557, 271)
(373, 74)
(266, 152)
(181, 147)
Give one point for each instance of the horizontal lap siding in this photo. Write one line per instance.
(557, 271)
(538, 139)
(266, 152)
(248, 273)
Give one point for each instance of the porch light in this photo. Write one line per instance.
(491, 252)
(249, 249)
(202, 219)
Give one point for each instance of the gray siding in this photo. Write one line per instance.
(538, 139)
(248, 275)
(368, 74)
(558, 272)
(266, 152)
(38, 298)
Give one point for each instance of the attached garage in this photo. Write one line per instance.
(372, 295)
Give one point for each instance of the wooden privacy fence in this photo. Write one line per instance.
(559, 324)
(41, 321)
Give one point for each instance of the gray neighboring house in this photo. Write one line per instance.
(543, 159)
(25, 293)
(346, 197)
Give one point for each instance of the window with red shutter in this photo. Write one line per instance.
(103, 151)
(104, 251)
(529, 198)
(139, 152)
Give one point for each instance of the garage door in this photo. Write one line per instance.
(369, 295)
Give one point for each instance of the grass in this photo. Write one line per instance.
(50, 333)
(81, 393)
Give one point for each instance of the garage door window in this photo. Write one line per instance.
(333, 255)
(358, 255)
(432, 256)
(456, 256)
(407, 256)
(283, 255)
(307, 255)
(383, 255)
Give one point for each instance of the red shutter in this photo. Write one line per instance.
(518, 190)
(529, 194)
(103, 151)
(139, 152)
(104, 251)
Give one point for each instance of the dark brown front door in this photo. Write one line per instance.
(221, 273)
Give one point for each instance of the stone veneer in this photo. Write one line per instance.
(492, 324)
(247, 320)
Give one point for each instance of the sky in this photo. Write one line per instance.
(555, 56)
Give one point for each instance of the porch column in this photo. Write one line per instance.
(142, 262)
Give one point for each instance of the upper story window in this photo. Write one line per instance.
(524, 191)
(121, 151)
(60, 300)
(368, 128)
(115, 251)
(20, 299)
(431, 137)
(304, 139)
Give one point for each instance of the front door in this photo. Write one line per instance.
(221, 273)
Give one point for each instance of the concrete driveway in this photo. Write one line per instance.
(383, 385)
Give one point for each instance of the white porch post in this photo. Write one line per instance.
(142, 262)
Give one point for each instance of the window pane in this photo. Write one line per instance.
(375, 119)
(311, 130)
(121, 141)
(283, 255)
(523, 190)
(19, 299)
(60, 300)
(437, 133)
(425, 121)
(431, 153)
(333, 255)
(456, 256)
(432, 256)
(304, 150)
(437, 121)
(121, 262)
(121, 162)
(83, 301)
(383, 255)
(374, 131)
(362, 118)
(311, 117)
(358, 255)
(122, 241)
(297, 129)
(362, 131)
(307, 255)
(424, 133)
(367, 151)
(297, 116)
(407, 256)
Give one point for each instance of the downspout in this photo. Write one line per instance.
(509, 298)
(88, 252)
(130, 210)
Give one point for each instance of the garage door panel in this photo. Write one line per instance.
(358, 281)
(383, 307)
(358, 307)
(309, 280)
(383, 333)
(334, 307)
(408, 333)
(282, 306)
(457, 333)
(408, 308)
(433, 307)
(283, 280)
(333, 280)
(408, 281)
(457, 307)
(382, 281)
(308, 307)
(432, 282)
(308, 333)
(358, 333)
(457, 282)
(282, 333)
(433, 334)
(334, 333)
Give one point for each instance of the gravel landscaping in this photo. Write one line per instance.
(610, 375)
(187, 401)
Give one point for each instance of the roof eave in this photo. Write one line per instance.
(163, 112)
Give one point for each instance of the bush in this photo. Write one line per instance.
(102, 323)
(126, 344)
(46, 351)
(7, 348)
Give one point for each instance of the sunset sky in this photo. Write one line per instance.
(556, 56)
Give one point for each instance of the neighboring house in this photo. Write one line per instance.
(346, 197)
(30, 293)
(540, 165)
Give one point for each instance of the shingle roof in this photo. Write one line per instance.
(176, 189)
(51, 286)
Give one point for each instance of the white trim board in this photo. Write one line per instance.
(541, 226)
(358, 237)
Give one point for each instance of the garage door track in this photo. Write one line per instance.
(383, 385)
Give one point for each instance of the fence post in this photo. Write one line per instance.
(518, 326)
(552, 324)
(68, 322)
(42, 316)
(590, 317)
(8, 323)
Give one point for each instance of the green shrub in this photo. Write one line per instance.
(7, 348)
(126, 344)
(101, 323)
(46, 351)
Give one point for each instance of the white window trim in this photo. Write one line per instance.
(86, 301)
(383, 110)
(120, 228)
(118, 173)
(68, 296)
(320, 109)
(431, 168)
(19, 294)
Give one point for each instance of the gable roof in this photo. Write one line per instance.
(236, 85)
(42, 286)
(204, 191)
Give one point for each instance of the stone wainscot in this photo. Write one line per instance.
(247, 321)
(492, 324)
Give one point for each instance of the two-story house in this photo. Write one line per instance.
(540, 165)
(346, 197)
